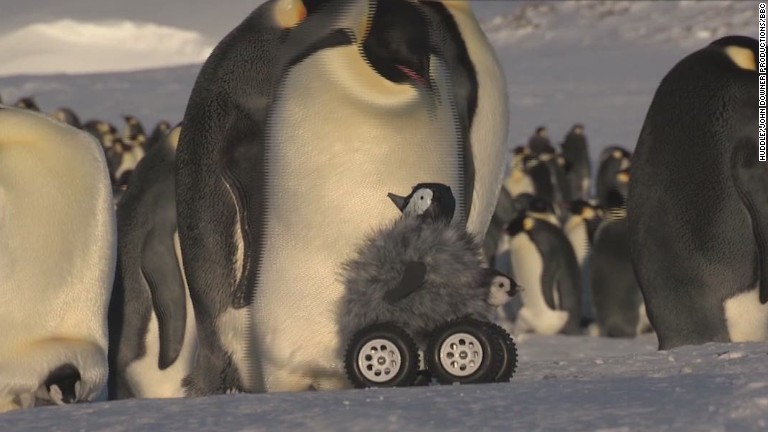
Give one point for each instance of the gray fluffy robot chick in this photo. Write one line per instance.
(417, 281)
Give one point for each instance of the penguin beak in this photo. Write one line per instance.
(398, 200)
(414, 76)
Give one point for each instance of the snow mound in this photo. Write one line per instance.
(680, 24)
(69, 46)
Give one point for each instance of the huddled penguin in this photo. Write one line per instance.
(544, 263)
(57, 261)
(418, 272)
(518, 181)
(68, 116)
(576, 152)
(263, 165)
(580, 227)
(133, 129)
(612, 160)
(618, 302)
(27, 103)
(698, 201)
(152, 324)
(539, 143)
(158, 135)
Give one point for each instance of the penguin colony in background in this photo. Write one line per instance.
(543, 233)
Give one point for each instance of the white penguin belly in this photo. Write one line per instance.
(576, 231)
(535, 314)
(143, 375)
(57, 254)
(334, 154)
(746, 318)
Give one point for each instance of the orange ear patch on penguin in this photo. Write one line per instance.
(742, 57)
(289, 13)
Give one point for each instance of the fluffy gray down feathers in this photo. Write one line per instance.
(454, 284)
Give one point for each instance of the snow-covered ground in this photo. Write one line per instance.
(562, 384)
(566, 62)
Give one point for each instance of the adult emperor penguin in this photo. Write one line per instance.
(618, 302)
(152, 324)
(263, 164)
(544, 264)
(576, 152)
(580, 227)
(703, 273)
(68, 116)
(518, 181)
(27, 103)
(612, 160)
(57, 261)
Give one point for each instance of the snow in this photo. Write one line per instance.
(566, 62)
(562, 383)
(69, 46)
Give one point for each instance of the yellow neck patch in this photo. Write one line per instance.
(528, 224)
(588, 213)
(289, 13)
(744, 58)
(623, 177)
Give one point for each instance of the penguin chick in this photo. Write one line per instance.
(62, 385)
(501, 288)
(430, 201)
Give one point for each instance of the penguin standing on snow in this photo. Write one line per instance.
(544, 263)
(152, 325)
(618, 302)
(580, 227)
(576, 153)
(612, 160)
(57, 261)
(68, 116)
(417, 92)
(704, 274)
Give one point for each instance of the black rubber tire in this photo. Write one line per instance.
(403, 342)
(493, 356)
(509, 352)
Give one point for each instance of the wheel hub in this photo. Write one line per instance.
(379, 360)
(461, 354)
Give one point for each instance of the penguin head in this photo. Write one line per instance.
(429, 201)
(27, 103)
(521, 224)
(538, 204)
(577, 129)
(62, 385)
(583, 209)
(742, 50)
(502, 288)
(541, 131)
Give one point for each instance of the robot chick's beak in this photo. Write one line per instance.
(398, 200)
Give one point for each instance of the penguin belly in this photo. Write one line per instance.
(535, 315)
(144, 375)
(329, 172)
(57, 256)
(746, 318)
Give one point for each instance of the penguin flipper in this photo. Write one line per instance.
(160, 269)
(414, 274)
(751, 180)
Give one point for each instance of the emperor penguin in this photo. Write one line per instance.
(539, 142)
(612, 160)
(132, 129)
(57, 261)
(263, 164)
(158, 135)
(580, 227)
(68, 116)
(544, 264)
(152, 325)
(541, 175)
(27, 103)
(618, 302)
(518, 181)
(576, 151)
(698, 201)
